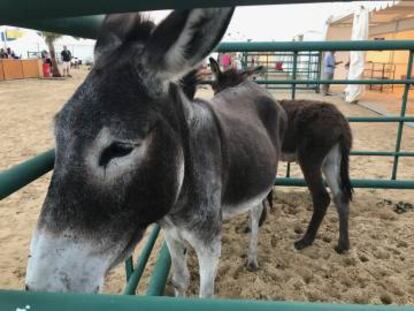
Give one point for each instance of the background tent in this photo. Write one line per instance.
(360, 27)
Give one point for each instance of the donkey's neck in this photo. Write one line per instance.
(202, 164)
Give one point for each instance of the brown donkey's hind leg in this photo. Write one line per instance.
(311, 169)
(331, 170)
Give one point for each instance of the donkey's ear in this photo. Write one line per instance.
(117, 29)
(184, 39)
(251, 71)
(215, 68)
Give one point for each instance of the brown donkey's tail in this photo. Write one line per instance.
(346, 144)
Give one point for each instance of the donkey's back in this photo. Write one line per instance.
(313, 120)
(252, 125)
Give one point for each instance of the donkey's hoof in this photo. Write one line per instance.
(252, 265)
(301, 244)
(341, 249)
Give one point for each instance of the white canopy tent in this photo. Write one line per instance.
(32, 41)
(353, 92)
(29, 41)
(385, 17)
(388, 20)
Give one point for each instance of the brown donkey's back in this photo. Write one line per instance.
(324, 125)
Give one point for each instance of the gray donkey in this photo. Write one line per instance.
(319, 138)
(132, 150)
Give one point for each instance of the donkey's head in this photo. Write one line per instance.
(231, 77)
(119, 147)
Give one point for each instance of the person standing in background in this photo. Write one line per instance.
(329, 64)
(238, 62)
(66, 58)
(11, 54)
(226, 61)
(47, 60)
(3, 54)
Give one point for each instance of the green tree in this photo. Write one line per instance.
(50, 38)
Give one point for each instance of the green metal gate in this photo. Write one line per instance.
(306, 63)
(298, 47)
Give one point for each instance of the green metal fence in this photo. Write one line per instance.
(297, 47)
(9, 300)
(25, 13)
(308, 67)
(17, 177)
(15, 11)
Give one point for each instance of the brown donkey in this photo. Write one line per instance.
(319, 138)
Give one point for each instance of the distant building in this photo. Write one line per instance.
(388, 20)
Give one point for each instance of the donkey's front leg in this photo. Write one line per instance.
(178, 252)
(208, 255)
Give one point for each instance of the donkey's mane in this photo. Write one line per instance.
(232, 72)
(233, 77)
(189, 83)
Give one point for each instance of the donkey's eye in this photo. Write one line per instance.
(115, 150)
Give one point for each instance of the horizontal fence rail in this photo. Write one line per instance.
(382, 153)
(380, 119)
(84, 27)
(12, 300)
(356, 183)
(22, 174)
(365, 81)
(12, 11)
(298, 46)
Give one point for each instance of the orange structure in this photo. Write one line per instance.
(19, 69)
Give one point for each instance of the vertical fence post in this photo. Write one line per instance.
(308, 68)
(244, 62)
(293, 94)
(402, 114)
(267, 68)
(319, 72)
(294, 69)
(129, 268)
(288, 170)
(141, 262)
(160, 273)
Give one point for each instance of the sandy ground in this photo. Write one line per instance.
(378, 269)
(389, 103)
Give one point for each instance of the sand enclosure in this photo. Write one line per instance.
(378, 269)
